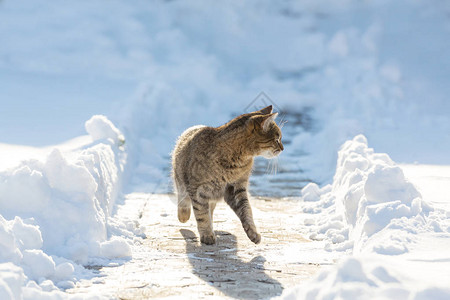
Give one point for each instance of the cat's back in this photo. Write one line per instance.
(187, 135)
(192, 140)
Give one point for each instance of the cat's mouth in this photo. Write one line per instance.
(270, 154)
(276, 152)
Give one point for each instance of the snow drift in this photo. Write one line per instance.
(55, 214)
(364, 278)
(374, 213)
(369, 200)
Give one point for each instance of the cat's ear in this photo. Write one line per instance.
(265, 110)
(263, 121)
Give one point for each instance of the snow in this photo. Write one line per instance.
(116, 247)
(378, 218)
(433, 182)
(354, 71)
(62, 218)
(365, 277)
(99, 127)
(11, 281)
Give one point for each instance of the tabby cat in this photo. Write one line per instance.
(209, 164)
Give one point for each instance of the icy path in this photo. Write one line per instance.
(171, 262)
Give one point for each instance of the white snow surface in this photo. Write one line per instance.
(397, 242)
(56, 215)
(367, 277)
(369, 194)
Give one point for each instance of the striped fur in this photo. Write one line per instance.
(210, 164)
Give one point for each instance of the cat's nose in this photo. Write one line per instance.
(281, 146)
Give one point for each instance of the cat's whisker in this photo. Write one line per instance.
(272, 166)
(282, 121)
(276, 167)
(268, 167)
(275, 164)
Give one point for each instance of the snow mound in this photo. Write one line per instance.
(11, 281)
(99, 127)
(370, 206)
(363, 278)
(57, 213)
(116, 247)
(374, 213)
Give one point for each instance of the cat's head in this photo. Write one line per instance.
(265, 133)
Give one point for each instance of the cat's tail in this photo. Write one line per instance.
(184, 208)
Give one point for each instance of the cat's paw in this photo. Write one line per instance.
(254, 236)
(184, 214)
(208, 239)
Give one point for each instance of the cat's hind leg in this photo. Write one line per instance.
(212, 206)
(237, 198)
(184, 204)
(184, 209)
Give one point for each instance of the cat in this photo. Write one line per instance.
(211, 163)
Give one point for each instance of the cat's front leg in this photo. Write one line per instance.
(236, 197)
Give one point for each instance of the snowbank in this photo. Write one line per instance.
(370, 207)
(364, 277)
(55, 214)
(372, 212)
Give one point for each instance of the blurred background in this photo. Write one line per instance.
(334, 69)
